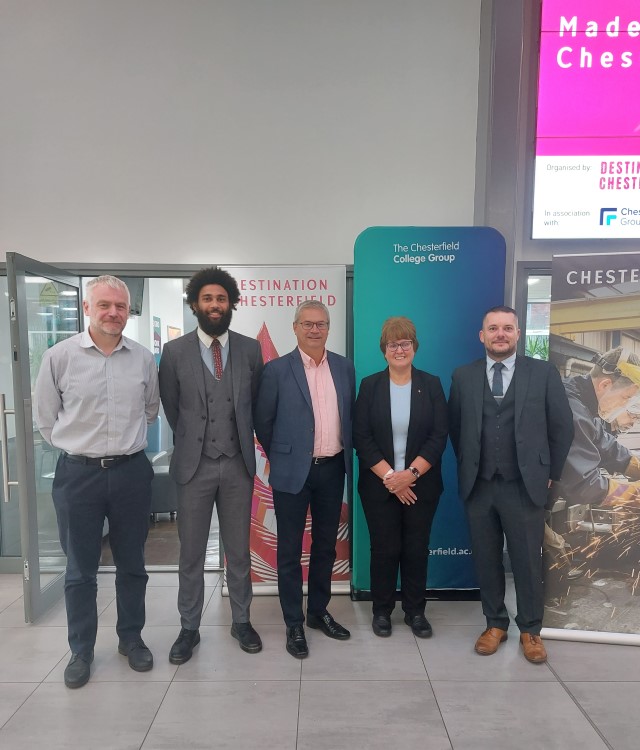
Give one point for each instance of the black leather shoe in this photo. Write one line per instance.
(329, 626)
(296, 642)
(78, 670)
(247, 637)
(381, 625)
(182, 649)
(419, 625)
(140, 658)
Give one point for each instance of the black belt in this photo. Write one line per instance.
(324, 459)
(106, 462)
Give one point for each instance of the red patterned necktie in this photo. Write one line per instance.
(217, 359)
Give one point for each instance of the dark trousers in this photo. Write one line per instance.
(497, 509)
(322, 492)
(399, 537)
(84, 495)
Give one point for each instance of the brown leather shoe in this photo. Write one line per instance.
(533, 647)
(489, 641)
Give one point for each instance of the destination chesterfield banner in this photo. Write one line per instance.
(587, 169)
(592, 536)
(269, 296)
(443, 279)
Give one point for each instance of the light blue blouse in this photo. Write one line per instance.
(400, 414)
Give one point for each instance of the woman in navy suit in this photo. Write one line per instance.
(400, 433)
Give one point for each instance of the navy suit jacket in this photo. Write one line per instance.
(543, 424)
(284, 420)
(182, 392)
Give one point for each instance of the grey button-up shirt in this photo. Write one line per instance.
(95, 405)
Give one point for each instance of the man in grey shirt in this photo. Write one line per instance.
(95, 394)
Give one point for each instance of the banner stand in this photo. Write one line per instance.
(443, 279)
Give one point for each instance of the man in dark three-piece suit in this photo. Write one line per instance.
(208, 383)
(303, 420)
(511, 429)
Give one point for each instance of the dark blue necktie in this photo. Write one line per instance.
(496, 386)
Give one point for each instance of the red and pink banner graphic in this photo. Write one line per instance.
(268, 299)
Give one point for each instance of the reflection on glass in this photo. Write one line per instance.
(9, 507)
(538, 308)
(52, 316)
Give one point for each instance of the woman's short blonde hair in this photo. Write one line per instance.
(398, 328)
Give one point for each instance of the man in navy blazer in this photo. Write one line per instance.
(208, 384)
(303, 420)
(511, 428)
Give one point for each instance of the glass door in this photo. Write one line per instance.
(10, 554)
(44, 308)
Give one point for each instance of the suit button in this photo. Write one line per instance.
(199, 440)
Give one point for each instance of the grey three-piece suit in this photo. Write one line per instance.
(213, 461)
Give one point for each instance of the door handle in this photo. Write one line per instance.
(4, 452)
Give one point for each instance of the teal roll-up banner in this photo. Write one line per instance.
(444, 279)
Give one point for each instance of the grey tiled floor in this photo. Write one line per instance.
(364, 693)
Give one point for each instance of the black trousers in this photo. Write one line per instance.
(322, 493)
(399, 537)
(84, 495)
(497, 509)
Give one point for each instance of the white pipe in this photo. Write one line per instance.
(591, 636)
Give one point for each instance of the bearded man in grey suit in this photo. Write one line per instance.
(208, 383)
(511, 428)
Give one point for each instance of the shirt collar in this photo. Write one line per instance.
(206, 339)
(309, 362)
(86, 342)
(509, 362)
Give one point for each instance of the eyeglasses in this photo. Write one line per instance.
(392, 346)
(308, 325)
(633, 407)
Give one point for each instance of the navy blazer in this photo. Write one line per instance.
(284, 419)
(543, 423)
(182, 392)
(373, 434)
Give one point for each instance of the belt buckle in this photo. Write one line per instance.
(106, 463)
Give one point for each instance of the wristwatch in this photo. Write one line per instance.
(415, 472)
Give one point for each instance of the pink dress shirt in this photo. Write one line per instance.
(328, 433)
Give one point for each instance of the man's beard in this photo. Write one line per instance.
(216, 328)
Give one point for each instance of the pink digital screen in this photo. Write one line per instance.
(587, 176)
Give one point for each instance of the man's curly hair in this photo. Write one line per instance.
(212, 275)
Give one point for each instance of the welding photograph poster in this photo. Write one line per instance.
(592, 531)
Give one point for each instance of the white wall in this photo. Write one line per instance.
(232, 131)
